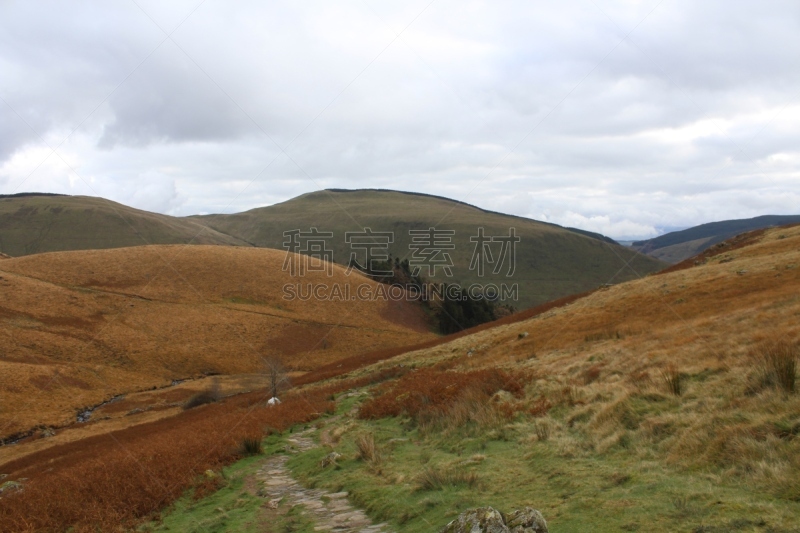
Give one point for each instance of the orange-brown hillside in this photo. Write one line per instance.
(707, 313)
(77, 328)
(695, 367)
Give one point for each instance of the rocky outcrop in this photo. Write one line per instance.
(490, 520)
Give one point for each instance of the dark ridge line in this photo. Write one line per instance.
(30, 194)
(718, 231)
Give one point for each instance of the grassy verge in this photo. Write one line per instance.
(231, 508)
(423, 480)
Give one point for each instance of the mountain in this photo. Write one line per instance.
(33, 223)
(676, 246)
(77, 328)
(551, 261)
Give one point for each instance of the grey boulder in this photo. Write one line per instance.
(490, 520)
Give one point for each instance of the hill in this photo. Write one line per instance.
(676, 246)
(551, 261)
(668, 403)
(654, 405)
(78, 328)
(33, 223)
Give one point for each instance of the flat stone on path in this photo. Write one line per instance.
(330, 511)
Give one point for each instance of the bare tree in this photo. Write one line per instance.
(276, 375)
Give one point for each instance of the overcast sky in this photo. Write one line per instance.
(622, 117)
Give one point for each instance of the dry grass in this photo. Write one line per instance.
(438, 478)
(78, 328)
(367, 450)
(210, 395)
(442, 400)
(111, 481)
(678, 387)
(778, 363)
(673, 380)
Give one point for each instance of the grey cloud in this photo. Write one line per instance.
(674, 127)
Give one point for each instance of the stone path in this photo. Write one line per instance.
(329, 511)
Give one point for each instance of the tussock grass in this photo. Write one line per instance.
(542, 430)
(368, 451)
(438, 478)
(778, 365)
(673, 380)
(250, 446)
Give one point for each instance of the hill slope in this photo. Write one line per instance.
(33, 223)
(551, 261)
(676, 246)
(661, 404)
(77, 328)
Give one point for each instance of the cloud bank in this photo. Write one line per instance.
(622, 117)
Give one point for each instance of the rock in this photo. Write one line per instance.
(330, 459)
(489, 520)
(523, 335)
(9, 486)
(480, 520)
(527, 520)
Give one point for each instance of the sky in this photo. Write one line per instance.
(628, 118)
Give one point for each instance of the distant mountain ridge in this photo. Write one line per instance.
(550, 262)
(680, 245)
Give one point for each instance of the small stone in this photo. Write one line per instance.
(330, 459)
(523, 335)
(526, 520)
(9, 486)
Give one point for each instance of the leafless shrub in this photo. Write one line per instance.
(210, 395)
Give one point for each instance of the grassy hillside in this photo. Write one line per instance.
(77, 328)
(676, 246)
(670, 403)
(551, 261)
(655, 405)
(32, 223)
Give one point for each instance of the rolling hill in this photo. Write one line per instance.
(669, 403)
(551, 261)
(676, 246)
(77, 328)
(652, 405)
(37, 223)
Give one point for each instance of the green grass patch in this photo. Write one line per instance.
(423, 482)
(231, 508)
